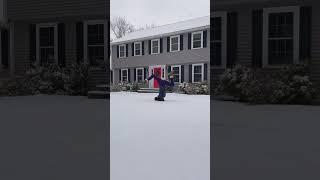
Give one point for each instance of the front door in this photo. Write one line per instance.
(157, 70)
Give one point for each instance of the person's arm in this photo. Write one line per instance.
(152, 76)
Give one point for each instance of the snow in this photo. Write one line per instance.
(159, 140)
(201, 22)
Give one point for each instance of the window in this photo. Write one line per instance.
(218, 39)
(281, 36)
(96, 43)
(47, 46)
(197, 73)
(140, 75)
(122, 51)
(174, 43)
(176, 73)
(137, 49)
(124, 75)
(197, 40)
(155, 46)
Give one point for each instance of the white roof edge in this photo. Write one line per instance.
(166, 29)
(159, 35)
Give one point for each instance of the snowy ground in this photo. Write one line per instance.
(160, 140)
(266, 142)
(53, 137)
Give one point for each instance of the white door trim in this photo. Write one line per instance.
(150, 73)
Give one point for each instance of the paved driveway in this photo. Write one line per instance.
(266, 142)
(53, 138)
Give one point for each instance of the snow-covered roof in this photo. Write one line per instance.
(167, 29)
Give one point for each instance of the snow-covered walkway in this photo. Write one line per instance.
(160, 140)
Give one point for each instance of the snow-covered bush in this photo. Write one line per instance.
(194, 88)
(125, 86)
(289, 85)
(50, 79)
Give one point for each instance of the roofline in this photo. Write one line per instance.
(160, 35)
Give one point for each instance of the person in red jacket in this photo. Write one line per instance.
(162, 85)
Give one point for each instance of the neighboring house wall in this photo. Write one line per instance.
(47, 9)
(184, 57)
(25, 15)
(246, 37)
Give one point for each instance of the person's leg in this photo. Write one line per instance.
(162, 93)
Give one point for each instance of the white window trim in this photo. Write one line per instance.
(47, 25)
(134, 48)
(296, 32)
(179, 66)
(171, 37)
(125, 51)
(198, 32)
(202, 72)
(85, 37)
(142, 74)
(224, 22)
(122, 74)
(158, 40)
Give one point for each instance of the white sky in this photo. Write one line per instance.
(159, 12)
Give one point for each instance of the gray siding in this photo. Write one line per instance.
(46, 9)
(186, 56)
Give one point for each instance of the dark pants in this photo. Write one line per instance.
(162, 92)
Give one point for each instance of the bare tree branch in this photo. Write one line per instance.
(120, 27)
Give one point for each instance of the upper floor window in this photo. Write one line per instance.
(218, 55)
(174, 43)
(96, 43)
(47, 43)
(155, 46)
(122, 51)
(137, 49)
(197, 40)
(281, 35)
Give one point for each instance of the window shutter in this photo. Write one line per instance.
(33, 43)
(182, 73)
(118, 51)
(61, 45)
(80, 42)
(132, 48)
(149, 46)
(190, 73)
(145, 73)
(189, 40)
(169, 69)
(111, 76)
(161, 45)
(119, 75)
(142, 47)
(129, 75)
(305, 32)
(257, 28)
(181, 42)
(127, 50)
(232, 26)
(205, 38)
(168, 44)
(134, 74)
(205, 72)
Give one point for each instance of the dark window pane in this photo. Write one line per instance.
(96, 34)
(281, 25)
(197, 77)
(216, 53)
(280, 52)
(197, 69)
(216, 27)
(96, 55)
(47, 56)
(46, 36)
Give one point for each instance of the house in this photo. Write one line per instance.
(181, 47)
(53, 32)
(265, 34)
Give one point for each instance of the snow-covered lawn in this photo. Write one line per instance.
(160, 140)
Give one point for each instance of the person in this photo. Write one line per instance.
(162, 84)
